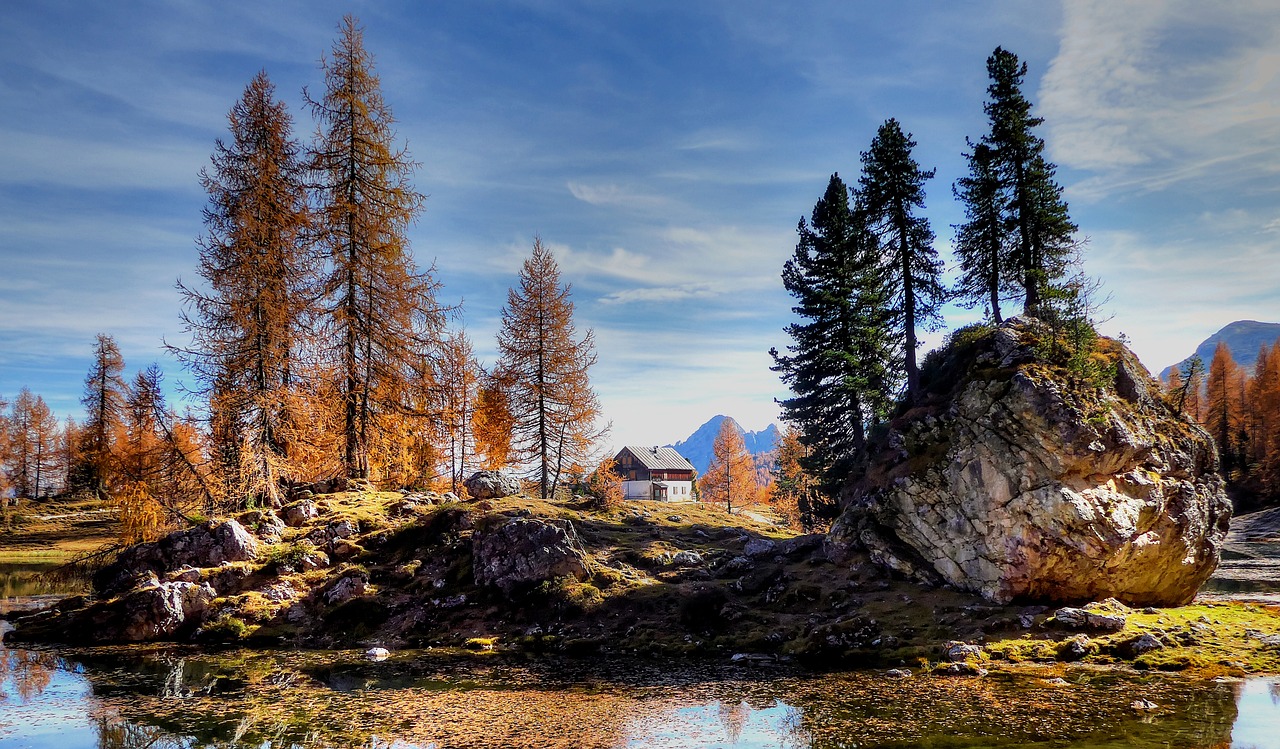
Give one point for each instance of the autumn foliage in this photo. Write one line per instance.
(731, 477)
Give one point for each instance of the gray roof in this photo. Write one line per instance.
(659, 458)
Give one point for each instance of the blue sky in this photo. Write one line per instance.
(664, 150)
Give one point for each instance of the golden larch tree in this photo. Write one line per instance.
(491, 424)
(544, 365)
(104, 397)
(458, 385)
(259, 271)
(381, 316)
(731, 477)
(1224, 407)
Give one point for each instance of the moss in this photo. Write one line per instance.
(225, 628)
(480, 644)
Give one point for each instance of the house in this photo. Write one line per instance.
(658, 473)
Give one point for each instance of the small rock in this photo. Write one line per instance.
(1143, 706)
(1074, 649)
(449, 497)
(491, 484)
(1057, 681)
(377, 654)
(298, 514)
(898, 673)
(686, 559)
(758, 548)
(958, 652)
(1139, 645)
(960, 669)
(346, 588)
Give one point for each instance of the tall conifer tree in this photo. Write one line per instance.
(246, 328)
(1043, 234)
(981, 243)
(544, 367)
(839, 364)
(382, 315)
(104, 397)
(891, 190)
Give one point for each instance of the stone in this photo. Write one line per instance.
(158, 613)
(1082, 618)
(1143, 706)
(1140, 645)
(958, 652)
(491, 485)
(448, 497)
(736, 567)
(1021, 483)
(346, 588)
(1075, 648)
(377, 654)
(758, 548)
(300, 513)
(205, 545)
(686, 559)
(523, 552)
(898, 673)
(960, 669)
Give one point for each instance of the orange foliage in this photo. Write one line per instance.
(731, 476)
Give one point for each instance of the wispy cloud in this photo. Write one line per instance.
(611, 195)
(663, 294)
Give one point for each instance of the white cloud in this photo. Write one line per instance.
(611, 194)
(663, 294)
(1157, 93)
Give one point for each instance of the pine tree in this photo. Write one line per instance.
(544, 366)
(981, 243)
(1043, 234)
(840, 363)
(891, 188)
(731, 477)
(382, 315)
(104, 397)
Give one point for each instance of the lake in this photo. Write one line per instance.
(167, 696)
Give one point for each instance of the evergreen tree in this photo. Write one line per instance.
(104, 397)
(981, 243)
(891, 189)
(544, 366)
(1224, 407)
(839, 366)
(1043, 234)
(382, 316)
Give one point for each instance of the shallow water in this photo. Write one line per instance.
(165, 696)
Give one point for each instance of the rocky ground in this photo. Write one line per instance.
(394, 571)
(1250, 566)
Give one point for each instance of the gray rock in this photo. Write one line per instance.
(736, 567)
(960, 669)
(377, 654)
(206, 545)
(959, 652)
(758, 548)
(491, 485)
(1027, 485)
(525, 551)
(158, 613)
(1082, 618)
(898, 673)
(1144, 643)
(299, 513)
(686, 559)
(1075, 648)
(347, 587)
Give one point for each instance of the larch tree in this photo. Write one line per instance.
(1224, 407)
(840, 364)
(458, 382)
(104, 398)
(1042, 243)
(33, 437)
(6, 456)
(891, 191)
(544, 366)
(491, 424)
(381, 314)
(256, 264)
(981, 243)
(731, 476)
(796, 493)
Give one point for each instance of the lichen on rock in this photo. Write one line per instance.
(1016, 480)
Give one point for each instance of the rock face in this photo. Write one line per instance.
(524, 551)
(206, 545)
(491, 484)
(1015, 481)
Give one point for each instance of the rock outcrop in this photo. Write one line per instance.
(1015, 479)
(491, 484)
(205, 545)
(524, 551)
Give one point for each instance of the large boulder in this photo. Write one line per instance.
(491, 484)
(522, 552)
(1016, 478)
(205, 545)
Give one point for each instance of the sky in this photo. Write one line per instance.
(664, 151)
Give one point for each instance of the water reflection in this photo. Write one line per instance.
(172, 697)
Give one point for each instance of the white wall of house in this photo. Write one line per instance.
(677, 491)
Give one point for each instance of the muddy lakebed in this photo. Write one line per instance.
(168, 696)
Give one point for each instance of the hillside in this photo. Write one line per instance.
(1243, 338)
(697, 447)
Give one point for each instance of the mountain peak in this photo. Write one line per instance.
(697, 447)
(1243, 339)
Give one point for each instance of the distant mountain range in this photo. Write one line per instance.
(697, 448)
(1243, 339)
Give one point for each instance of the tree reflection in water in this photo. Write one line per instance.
(29, 672)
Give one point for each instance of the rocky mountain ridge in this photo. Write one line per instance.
(697, 447)
(1243, 338)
